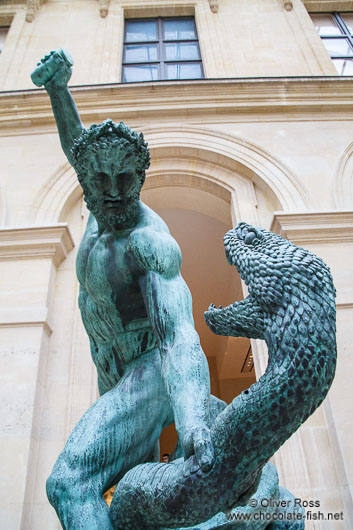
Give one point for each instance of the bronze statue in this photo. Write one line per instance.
(137, 311)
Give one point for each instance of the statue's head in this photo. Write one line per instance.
(110, 161)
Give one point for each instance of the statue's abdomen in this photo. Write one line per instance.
(112, 345)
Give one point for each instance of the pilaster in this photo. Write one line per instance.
(330, 236)
(29, 257)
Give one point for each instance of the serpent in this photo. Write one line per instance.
(291, 306)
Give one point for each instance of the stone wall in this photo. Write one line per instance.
(242, 39)
(276, 152)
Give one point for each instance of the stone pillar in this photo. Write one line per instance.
(323, 445)
(29, 258)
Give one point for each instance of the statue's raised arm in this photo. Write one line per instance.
(137, 312)
(54, 72)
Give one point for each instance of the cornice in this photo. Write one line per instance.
(10, 7)
(345, 305)
(314, 227)
(328, 5)
(286, 98)
(35, 242)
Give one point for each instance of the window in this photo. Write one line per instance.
(161, 48)
(336, 32)
(3, 32)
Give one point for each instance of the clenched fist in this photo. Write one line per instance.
(54, 69)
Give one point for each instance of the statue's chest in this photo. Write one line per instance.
(107, 275)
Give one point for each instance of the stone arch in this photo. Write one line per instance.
(239, 156)
(343, 180)
(201, 158)
(57, 197)
(196, 184)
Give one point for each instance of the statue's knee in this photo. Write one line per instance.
(59, 485)
(52, 489)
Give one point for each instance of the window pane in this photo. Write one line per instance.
(181, 51)
(143, 72)
(344, 66)
(184, 71)
(141, 30)
(3, 33)
(140, 53)
(337, 47)
(348, 18)
(325, 25)
(179, 29)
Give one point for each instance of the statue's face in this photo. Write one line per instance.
(111, 186)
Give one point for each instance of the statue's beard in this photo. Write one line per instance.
(110, 217)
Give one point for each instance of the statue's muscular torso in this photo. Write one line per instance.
(112, 306)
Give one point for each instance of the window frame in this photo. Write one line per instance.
(345, 34)
(161, 61)
(4, 26)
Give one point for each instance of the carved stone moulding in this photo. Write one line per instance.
(17, 317)
(103, 8)
(213, 5)
(34, 242)
(304, 228)
(32, 8)
(288, 5)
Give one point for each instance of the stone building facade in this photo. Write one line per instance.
(265, 136)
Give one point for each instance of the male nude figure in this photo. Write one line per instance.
(136, 309)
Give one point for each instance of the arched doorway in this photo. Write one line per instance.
(198, 220)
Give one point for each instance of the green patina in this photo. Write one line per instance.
(136, 309)
(291, 305)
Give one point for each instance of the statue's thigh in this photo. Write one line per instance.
(121, 428)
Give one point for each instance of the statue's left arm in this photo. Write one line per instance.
(184, 366)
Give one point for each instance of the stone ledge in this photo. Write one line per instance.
(249, 98)
(344, 305)
(321, 6)
(35, 242)
(15, 317)
(314, 227)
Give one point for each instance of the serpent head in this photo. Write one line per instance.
(278, 275)
(259, 256)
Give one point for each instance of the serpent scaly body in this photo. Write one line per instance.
(290, 306)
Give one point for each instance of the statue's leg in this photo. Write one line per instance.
(119, 431)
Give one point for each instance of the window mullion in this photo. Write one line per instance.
(348, 34)
(161, 63)
(344, 28)
(161, 49)
(341, 23)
